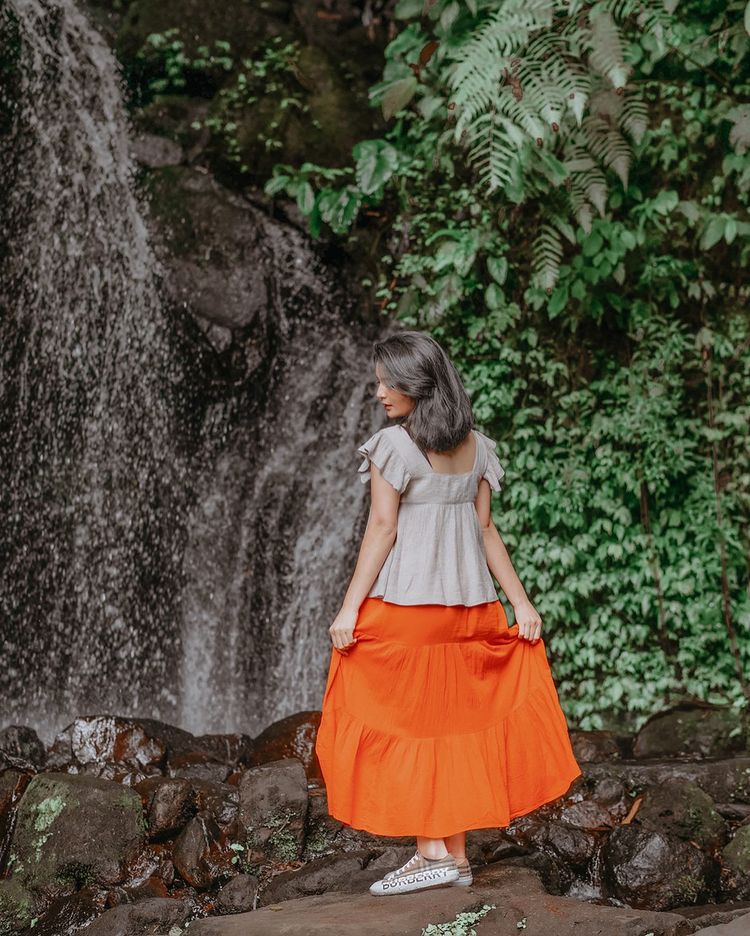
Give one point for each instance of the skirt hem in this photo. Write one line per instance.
(470, 825)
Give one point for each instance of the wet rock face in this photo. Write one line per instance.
(131, 749)
(225, 375)
(273, 809)
(657, 870)
(169, 804)
(201, 852)
(683, 809)
(693, 729)
(20, 743)
(219, 255)
(293, 736)
(72, 831)
(736, 865)
(154, 917)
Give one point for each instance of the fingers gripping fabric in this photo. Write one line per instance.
(379, 450)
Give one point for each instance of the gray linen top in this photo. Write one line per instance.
(438, 556)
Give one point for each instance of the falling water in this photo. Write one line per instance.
(91, 473)
(174, 540)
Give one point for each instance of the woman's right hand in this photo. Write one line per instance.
(342, 629)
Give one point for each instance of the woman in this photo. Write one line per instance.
(437, 716)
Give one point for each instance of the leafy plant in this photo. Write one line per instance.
(165, 53)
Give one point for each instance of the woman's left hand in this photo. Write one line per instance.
(528, 620)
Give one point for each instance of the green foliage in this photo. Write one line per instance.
(254, 80)
(595, 302)
(164, 55)
(592, 290)
(242, 84)
(462, 925)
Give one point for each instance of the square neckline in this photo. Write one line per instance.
(448, 474)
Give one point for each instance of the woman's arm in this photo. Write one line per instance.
(498, 561)
(379, 536)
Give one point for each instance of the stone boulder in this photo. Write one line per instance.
(656, 870)
(293, 736)
(696, 729)
(12, 785)
(683, 809)
(227, 263)
(155, 917)
(238, 894)
(735, 859)
(601, 745)
(169, 804)
(272, 811)
(725, 780)
(202, 854)
(132, 748)
(23, 746)
(74, 830)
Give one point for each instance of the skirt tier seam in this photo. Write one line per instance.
(435, 643)
(455, 734)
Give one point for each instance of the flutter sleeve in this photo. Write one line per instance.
(493, 471)
(379, 450)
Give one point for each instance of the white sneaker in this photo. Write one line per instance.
(417, 874)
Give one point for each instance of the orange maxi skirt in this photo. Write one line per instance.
(440, 719)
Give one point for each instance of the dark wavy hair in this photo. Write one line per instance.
(414, 363)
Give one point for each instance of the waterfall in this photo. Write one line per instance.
(92, 474)
(167, 549)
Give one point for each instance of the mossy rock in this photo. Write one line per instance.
(735, 858)
(696, 729)
(317, 116)
(736, 855)
(273, 810)
(74, 830)
(683, 808)
(173, 116)
(17, 907)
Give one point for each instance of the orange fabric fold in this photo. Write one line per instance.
(440, 719)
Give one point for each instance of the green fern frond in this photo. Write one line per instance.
(506, 30)
(594, 185)
(494, 150)
(650, 16)
(537, 76)
(581, 207)
(547, 253)
(605, 48)
(634, 117)
(608, 145)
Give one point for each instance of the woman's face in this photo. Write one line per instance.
(396, 404)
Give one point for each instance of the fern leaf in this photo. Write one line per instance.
(547, 253)
(606, 54)
(608, 145)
